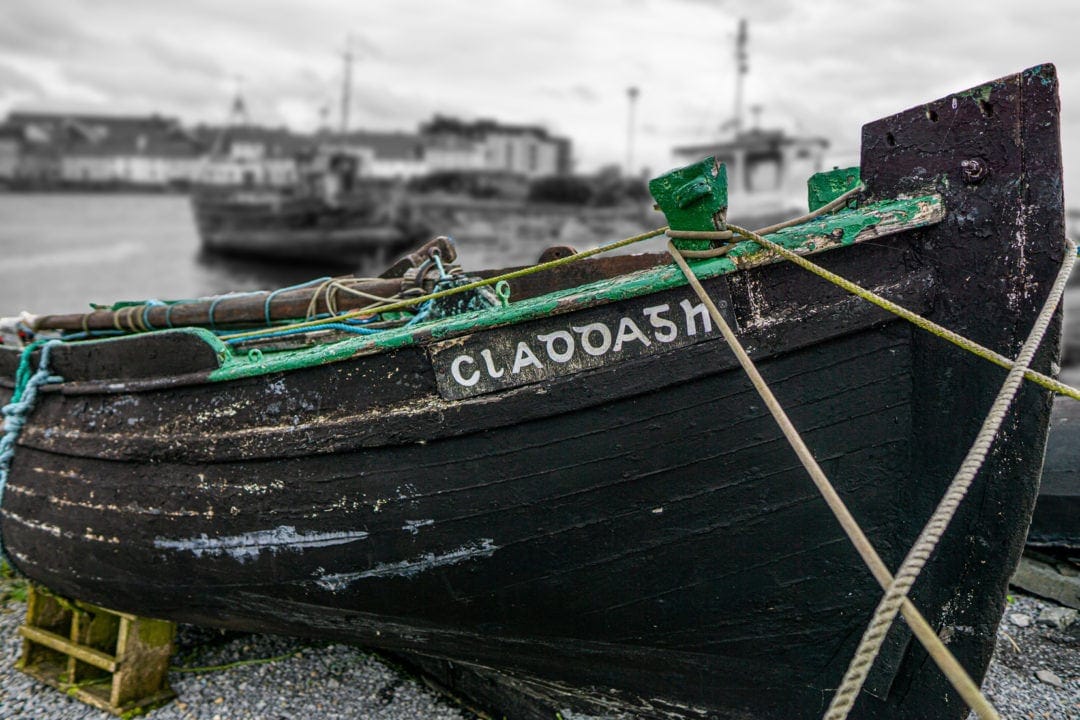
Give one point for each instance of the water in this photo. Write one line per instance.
(59, 252)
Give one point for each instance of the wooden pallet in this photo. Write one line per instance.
(112, 660)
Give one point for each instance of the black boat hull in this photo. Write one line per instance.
(632, 537)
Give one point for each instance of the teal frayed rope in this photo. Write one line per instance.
(16, 412)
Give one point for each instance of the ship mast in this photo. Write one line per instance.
(741, 67)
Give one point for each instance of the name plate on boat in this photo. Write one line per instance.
(515, 355)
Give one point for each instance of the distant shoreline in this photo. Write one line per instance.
(91, 188)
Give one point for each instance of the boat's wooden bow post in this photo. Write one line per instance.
(693, 199)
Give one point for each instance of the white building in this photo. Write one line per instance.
(524, 150)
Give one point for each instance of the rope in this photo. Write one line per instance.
(932, 533)
(922, 630)
(227, 296)
(284, 332)
(826, 208)
(146, 309)
(18, 409)
(933, 328)
(409, 302)
(301, 286)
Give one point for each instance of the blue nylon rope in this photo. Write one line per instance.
(146, 312)
(270, 297)
(296, 331)
(228, 296)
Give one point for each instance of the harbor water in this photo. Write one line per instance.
(62, 251)
(59, 252)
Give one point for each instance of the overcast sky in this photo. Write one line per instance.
(822, 67)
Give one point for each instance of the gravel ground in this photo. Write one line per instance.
(340, 682)
(1027, 649)
(316, 680)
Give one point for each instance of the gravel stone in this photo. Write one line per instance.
(1057, 617)
(1049, 678)
(1020, 620)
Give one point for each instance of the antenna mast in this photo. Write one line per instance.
(632, 93)
(346, 90)
(741, 68)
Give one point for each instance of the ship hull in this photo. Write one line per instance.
(630, 533)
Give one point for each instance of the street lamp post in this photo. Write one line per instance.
(632, 93)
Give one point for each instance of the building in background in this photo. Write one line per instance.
(762, 161)
(766, 170)
(522, 150)
(38, 142)
(251, 156)
(43, 150)
(10, 141)
(99, 151)
(386, 155)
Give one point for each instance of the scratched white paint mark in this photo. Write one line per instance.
(91, 535)
(413, 526)
(484, 547)
(247, 546)
(49, 528)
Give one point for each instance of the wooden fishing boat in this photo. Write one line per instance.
(575, 497)
(280, 226)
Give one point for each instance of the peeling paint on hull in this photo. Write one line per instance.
(248, 546)
(482, 548)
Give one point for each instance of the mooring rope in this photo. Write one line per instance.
(18, 409)
(919, 321)
(953, 670)
(932, 533)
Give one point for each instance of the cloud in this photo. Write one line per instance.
(575, 92)
(29, 31)
(179, 57)
(17, 82)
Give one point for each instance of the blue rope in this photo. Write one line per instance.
(213, 325)
(17, 411)
(270, 297)
(442, 271)
(229, 296)
(93, 334)
(296, 331)
(169, 308)
(146, 312)
(421, 314)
